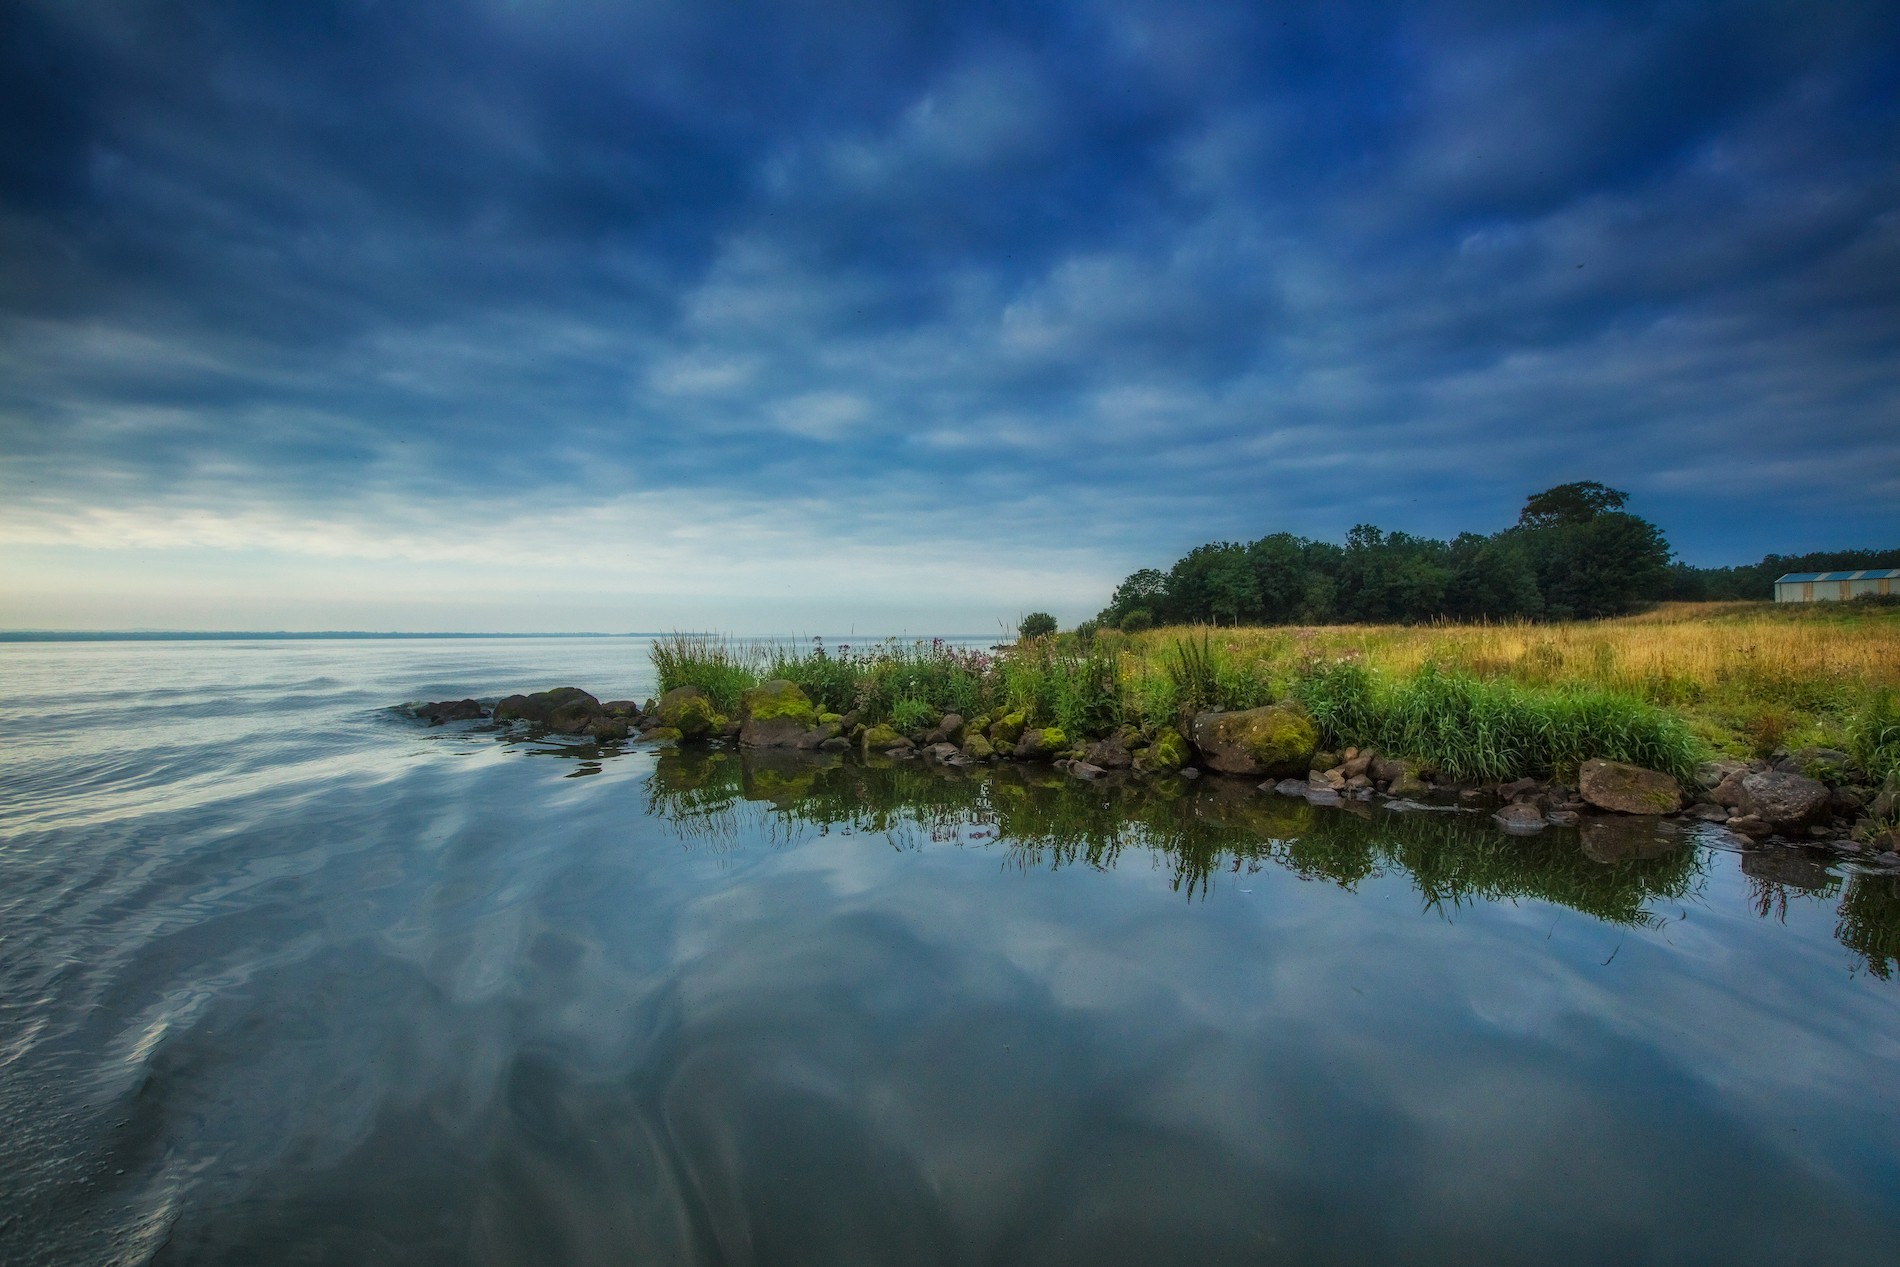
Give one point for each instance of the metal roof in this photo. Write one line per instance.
(1877, 574)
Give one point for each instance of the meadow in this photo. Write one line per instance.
(1666, 688)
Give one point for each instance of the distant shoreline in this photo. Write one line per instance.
(347, 635)
(271, 636)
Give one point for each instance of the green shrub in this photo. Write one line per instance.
(714, 665)
(1873, 736)
(1036, 625)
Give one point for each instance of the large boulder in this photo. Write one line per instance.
(775, 714)
(1782, 799)
(1628, 789)
(1275, 740)
(689, 711)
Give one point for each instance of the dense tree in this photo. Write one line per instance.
(1573, 553)
(1570, 504)
(1036, 625)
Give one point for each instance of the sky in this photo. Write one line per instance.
(828, 316)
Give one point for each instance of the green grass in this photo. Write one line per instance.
(1483, 730)
(1477, 703)
(720, 668)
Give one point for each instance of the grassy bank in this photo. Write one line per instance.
(1482, 702)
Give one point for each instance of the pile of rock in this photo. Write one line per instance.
(1357, 774)
(1809, 795)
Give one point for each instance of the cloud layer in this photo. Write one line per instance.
(931, 292)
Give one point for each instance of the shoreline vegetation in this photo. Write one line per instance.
(1672, 688)
(1779, 722)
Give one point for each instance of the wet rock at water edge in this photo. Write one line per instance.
(1274, 740)
(1287, 787)
(565, 710)
(1628, 789)
(689, 711)
(1040, 744)
(1110, 754)
(1783, 799)
(448, 710)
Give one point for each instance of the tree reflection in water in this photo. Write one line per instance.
(1614, 870)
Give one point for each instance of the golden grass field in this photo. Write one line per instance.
(1749, 676)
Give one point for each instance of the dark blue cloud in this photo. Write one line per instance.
(1129, 275)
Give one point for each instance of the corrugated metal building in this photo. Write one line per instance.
(1832, 587)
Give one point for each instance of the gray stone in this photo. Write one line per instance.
(1729, 791)
(1783, 799)
(1711, 773)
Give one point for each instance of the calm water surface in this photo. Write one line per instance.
(287, 979)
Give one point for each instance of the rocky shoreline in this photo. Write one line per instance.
(1811, 797)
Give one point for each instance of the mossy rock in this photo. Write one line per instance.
(1277, 741)
(1631, 789)
(831, 719)
(777, 700)
(1007, 729)
(883, 737)
(689, 711)
(659, 734)
(1168, 753)
(775, 714)
(1045, 744)
(977, 748)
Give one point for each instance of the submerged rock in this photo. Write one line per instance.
(566, 710)
(448, 710)
(1274, 740)
(1625, 839)
(1628, 789)
(1520, 818)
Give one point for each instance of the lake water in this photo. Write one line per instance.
(285, 978)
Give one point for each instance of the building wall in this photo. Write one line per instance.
(1830, 591)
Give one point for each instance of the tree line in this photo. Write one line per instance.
(1574, 553)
